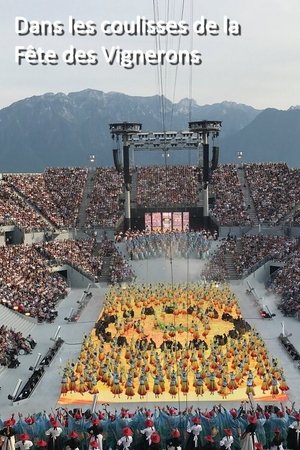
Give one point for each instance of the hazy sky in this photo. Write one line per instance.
(260, 68)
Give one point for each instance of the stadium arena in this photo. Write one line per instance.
(161, 310)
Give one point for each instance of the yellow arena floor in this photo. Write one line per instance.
(159, 342)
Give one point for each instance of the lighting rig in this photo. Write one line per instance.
(196, 138)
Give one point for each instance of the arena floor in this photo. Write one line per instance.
(47, 394)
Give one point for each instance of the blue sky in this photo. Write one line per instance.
(260, 68)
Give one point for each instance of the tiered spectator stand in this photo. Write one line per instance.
(86, 198)
(263, 228)
(230, 264)
(31, 204)
(247, 196)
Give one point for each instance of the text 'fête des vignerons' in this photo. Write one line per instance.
(127, 58)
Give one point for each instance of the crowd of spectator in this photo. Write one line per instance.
(11, 344)
(14, 210)
(87, 257)
(216, 268)
(120, 269)
(296, 217)
(104, 208)
(275, 189)
(229, 207)
(57, 193)
(161, 186)
(286, 283)
(80, 254)
(26, 284)
(248, 253)
(175, 244)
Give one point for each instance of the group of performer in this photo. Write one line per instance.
(53, 438)
(150, 438)
(163, 340)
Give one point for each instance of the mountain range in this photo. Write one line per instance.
(65, 129)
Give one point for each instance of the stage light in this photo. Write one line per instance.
(55, 337)
(17, 387)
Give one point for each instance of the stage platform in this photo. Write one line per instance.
(160, 342)
(47, 393)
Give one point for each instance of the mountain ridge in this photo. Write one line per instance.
(59, 129)
(272, 129)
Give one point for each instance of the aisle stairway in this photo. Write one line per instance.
(32, 205)
(16, 321)
(86, 198)
(229, 262)
(105, 272)
(247, 196)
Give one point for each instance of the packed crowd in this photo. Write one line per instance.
(27, 285)
(174, 244)
(104, 208)
(87, 257)
(286, 283)
(296, 217)
(248, 253)
(230, 207)
(216, 268)
(160, 186)
(57, 193)
(11, 344)
(14, 210)
(269, 427)
(275, 189)
(120, 269)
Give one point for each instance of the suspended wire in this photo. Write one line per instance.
(190, 83)
(162, 86)
(187, 295)
(167, 45)
(161, 91)
(174, 324)
(190, 95)
(176, 69)
(163, 101)
(159, 67)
